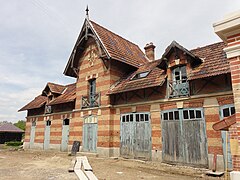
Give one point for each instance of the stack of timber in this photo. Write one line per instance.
(82, 168)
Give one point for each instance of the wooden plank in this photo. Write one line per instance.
(90, 175)
(86, 165)
(72, 165)
(78, 164)
(80, 174)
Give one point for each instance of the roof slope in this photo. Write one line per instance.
(156, 77)
(120, 48)
(38, 102)
(55, 88)
(8, 127)
(214, 61)
(68, 95)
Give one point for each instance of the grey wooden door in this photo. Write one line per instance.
(184, 137)
(65, 135)
(136, 136)
(32, 134)
(47, 135)
(90, 134)
(225, 111)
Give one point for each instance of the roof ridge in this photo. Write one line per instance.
(206, 46)
(115, 34)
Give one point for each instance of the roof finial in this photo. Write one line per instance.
(87, 10)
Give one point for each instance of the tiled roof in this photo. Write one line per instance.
(120, 48)
(55, 88)
(214, 61)
(38, 102)
(156, 77)
(68, 95)
(8, 127)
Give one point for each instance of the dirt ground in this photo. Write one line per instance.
(40, 165)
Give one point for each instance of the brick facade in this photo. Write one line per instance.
(228, 29)
(93, 62)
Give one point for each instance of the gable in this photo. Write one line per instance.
(110, 47)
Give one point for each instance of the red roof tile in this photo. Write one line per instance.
(69, 95)
(156, 77)
(120, 48)
(55, 88)
(214, 61)
(8, 127)
(38, 102)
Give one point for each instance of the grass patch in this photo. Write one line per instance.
(14, 143)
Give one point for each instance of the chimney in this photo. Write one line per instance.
(149, 51)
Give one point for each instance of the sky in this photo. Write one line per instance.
(37, 36)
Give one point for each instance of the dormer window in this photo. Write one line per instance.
(178, 86)
(140, 75)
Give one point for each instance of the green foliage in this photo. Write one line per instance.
(21, 124)
(14, 143)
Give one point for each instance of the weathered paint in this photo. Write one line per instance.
(65, 137)
(184, 141)
(135, 136)
(46, 137)
(90, 134)
(32, 135)
(225, 134)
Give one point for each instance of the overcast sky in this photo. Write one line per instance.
(37, 36)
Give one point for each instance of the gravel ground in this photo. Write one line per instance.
(40, 165)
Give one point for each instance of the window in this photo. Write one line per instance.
(34, 123)
(66, 122)
(183, 114)
(135, 117)
(227, 110)
(92, 91)
(140, 75)
(178, 86)
(48, 123)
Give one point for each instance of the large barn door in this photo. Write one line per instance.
(127, 136)
(142, 147)
(225, 111)
(47, 135)
(90, 134)
(184, 137)
(136, 136)
(65, 135)
(32, 134)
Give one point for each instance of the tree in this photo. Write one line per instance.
(21, 124)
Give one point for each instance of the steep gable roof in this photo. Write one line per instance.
(172, 48)
(8, 127)
(54, 88)
(120, 48)
(68, 94)
(114, 47)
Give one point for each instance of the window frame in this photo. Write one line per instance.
(181, 114)
(138, 75)
(136, 117)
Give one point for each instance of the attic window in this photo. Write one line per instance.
(140, 75)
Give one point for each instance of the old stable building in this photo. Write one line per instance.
(127, 103)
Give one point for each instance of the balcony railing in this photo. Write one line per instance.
(178, 88)
(91, 101)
